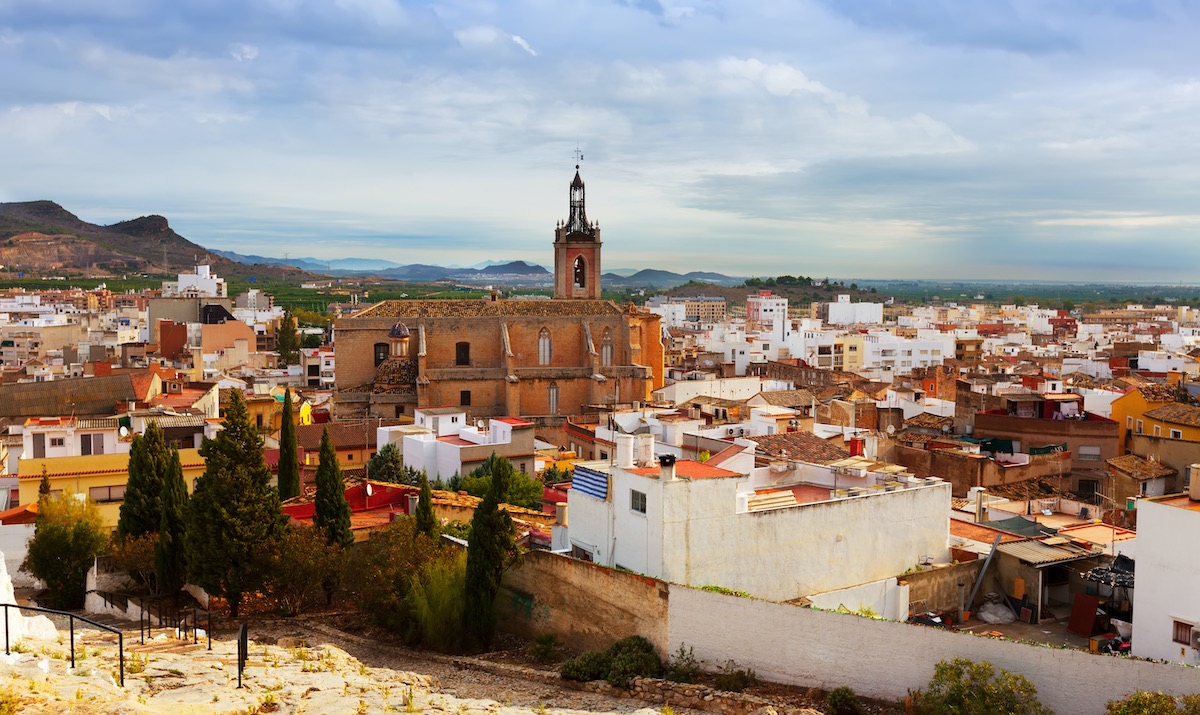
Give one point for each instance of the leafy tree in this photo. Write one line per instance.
(381, 568)
(426, 522)
(490, 551)
(289, 341)
(1144, 702)
(233, 518)
(68, 535)
(149, 459)
(299, 567)
(388, 466)
(170, 565)
(135, 556)
(311, 341)
(523, 490)
(332, 515)
(289, 463)
(965, 687)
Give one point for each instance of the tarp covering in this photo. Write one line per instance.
(1022, 526)
(1049, 449)
(1118, 573)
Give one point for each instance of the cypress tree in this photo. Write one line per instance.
(233, 518)
(426, 521)
(490, 551)
(169, 564)
(288, 342)
(332, 510)
(289, 463)
(44, 485)
(149, 459)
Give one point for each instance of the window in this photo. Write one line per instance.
(91, 444)
(544, 347)
(462, 353)
(1157, 430)
(58, 441)
(552, 398)
(258, 421)
(606, 348)
(1089, 454)
(578, 552)
(107, 495)
(1176, 434)
(637, 501)
(381, 353)
(603, 454)
(1129, 422)
(1139, 426)
(464, 398)
(1181, 632)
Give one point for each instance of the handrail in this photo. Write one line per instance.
(71, 617)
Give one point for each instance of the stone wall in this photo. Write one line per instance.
(936, 589)
(588, 606)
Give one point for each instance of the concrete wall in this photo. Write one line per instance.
(1168, 580)
(587, 606)
(1174, 453)
(881, 659)
(14, 538)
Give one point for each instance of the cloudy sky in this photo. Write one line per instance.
(848, 138)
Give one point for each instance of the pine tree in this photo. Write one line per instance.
(490, 551)
(288, 342)
(289, 463)
(426, 521)
(169, 564)
(233, 517)
(149, 459)
(332, 510)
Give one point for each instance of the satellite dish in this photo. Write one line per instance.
(124, 431)
(369, 491)
(891, 429)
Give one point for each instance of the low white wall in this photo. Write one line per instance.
(882, 659)
(14, 539)
(886, 598)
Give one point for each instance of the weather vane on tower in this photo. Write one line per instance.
(578, 155)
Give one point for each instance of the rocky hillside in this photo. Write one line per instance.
(43, 238)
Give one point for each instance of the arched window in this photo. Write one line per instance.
(606, 348)
(381, 353)
(552, 395)
(462, 353)
(580, 272)
(544, 347)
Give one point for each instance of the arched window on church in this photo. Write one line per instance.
(552, 395)
(544, 347)
(580, 272)
(606, 348)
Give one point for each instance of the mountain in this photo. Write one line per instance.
(308, 263)
(43, 238)
(518, 268)
(654, 278)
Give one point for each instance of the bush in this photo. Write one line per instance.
(683, 667)
(593, 665)
(544, 648)
(735, 680)
(628, 658)
(67, 538)
(1144, 702)
(380, 574)
(843, 701)
(298, 567)
(964, 687)
(435, 600)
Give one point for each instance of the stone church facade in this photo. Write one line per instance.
(528, 358)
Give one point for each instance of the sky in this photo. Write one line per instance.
(937, 139)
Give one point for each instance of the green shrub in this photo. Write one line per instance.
(1147, 703)
(964, 687)
(843, 701)
(9, 702)
(735, 680)
(683, 667)
(544, 648)
(593, 665)
(435, 600)
(629, 664)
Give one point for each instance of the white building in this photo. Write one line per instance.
(843, 312)
(1166, 611)
(443, 443)
(780, 532)
(770, 312)
(201, 284)
(46, 437)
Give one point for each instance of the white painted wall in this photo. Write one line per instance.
(1168, 580)
(887, 598)
(882, 659)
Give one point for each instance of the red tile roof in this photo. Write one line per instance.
(689, 469)
(804, 446)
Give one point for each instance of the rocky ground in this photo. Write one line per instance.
(306, 667)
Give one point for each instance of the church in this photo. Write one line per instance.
(538, 359)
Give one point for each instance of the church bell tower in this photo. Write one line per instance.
(577, 251)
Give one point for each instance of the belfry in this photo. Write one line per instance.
(577, 251)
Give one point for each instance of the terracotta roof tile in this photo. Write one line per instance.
(1177, 413)
(804, 446)
(484, 308)
(1138, 468)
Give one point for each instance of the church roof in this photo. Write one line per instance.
(483, 308)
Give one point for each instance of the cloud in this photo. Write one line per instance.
(243, 53)
(520, 41)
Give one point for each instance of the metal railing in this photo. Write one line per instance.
(71, 618)
(166, 616)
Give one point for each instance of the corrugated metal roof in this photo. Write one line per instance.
(1039, 553)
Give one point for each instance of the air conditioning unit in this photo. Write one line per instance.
(729, 431)
(1196, 638)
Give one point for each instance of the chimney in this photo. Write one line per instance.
(625, 451)
(1194, 482)
(560, 513)
(666, 467)
(412, 503)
